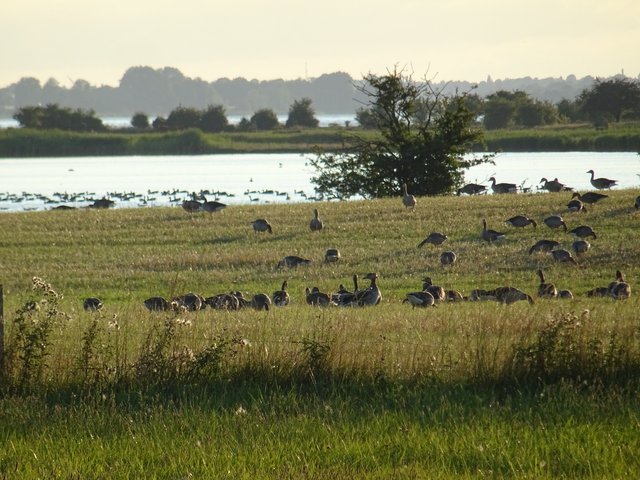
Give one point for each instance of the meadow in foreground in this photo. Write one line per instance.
(464, 389)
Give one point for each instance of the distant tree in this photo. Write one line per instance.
(534, 113)
(27, 92)
(53, 116)
(265, 119)
(301, 114)
(430, 156)
(140, 121)
(159, 123)
(611, 99)
(214, 119)
(570, 111)
(245, 125)
(182, 118)
(366, 118)
(498, 112)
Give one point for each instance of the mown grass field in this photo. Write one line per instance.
(471, 389)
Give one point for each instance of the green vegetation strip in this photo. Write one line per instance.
(467, 389)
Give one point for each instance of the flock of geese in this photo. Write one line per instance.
(431, 294)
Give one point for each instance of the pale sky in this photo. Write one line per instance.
(98, 41)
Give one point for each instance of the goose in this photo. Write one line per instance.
(546, 290)
(490, 235)
(583, 231)
(213, 206)
(619, 289)
(420, 299)
(552, 186)
(565, 294)
(601, 183)
(472, 189)
(316, 224)
(454, 296)
(576, 205)
(598, 292)
(562, 255)
(344, 297)
(437, 291)
(261, 301)
(157, 304)
(281, 297)
(102, 203)
(372, 295)
(637, 204)
(503, 187)
(509, 295)
(448, 258)
(590, 197)
(316, 297)
(580, 246)
(332, 255)
(555, 221)
(190, 302)
(434, 238)
(261, 225)
(544, 246)
(92, 304)
(242, 302)
(480, 294)
(521, 221)
(408, 200)
(191, 206)
(292, 261)
(223, 301)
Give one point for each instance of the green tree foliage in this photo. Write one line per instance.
(301, 114)
(366, 118)
(504, 109)
(182, 118)
(265, 119)
(611, 99)
(214, 119)
(53, 116)
(140, 121)
(428, 154)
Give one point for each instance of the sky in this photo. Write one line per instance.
(97, 40)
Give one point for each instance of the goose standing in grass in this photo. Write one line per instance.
(261, 301)
(555, 221)
(292, 261)
(601, 183)
(472, 189)
(372, 295)
(454, 296)
(420, 299)
(224, 301)
(583, 231)
(281, 297)
(408, 200)
(546, 290)
(317, 298)
(191, 206)
(553, 186)
(562, 255)
(619, 289)
(503, 187)
(521, 221)
(489, 235)
(261, 225)
(637, 204)
(157, 304)
(448, 258)
(580, 246)
(191, 302)
(565, 294)
(509, 295)
(332, 255)
(344, 297)
(598, 292)
(213, 206)
(544, 246)
(439, 293)
(316, 224)
(576, 205)
(434, 238)
(92, 304)
(590, 197)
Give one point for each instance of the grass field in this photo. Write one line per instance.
(469, 389)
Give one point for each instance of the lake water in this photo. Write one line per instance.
(41, 183)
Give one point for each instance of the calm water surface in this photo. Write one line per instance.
(41, 183)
